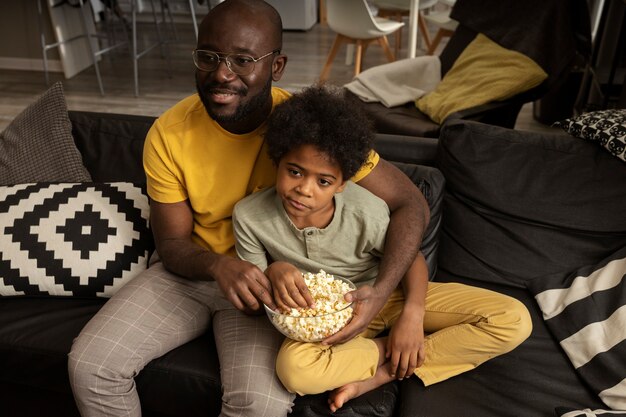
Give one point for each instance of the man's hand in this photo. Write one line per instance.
(290, 290)
(405, 344)
(367, 304)
(243, 284)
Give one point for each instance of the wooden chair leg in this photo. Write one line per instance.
(339, 39)
(440, 34)
(358, 58)
(366, 44)
(384, 43)
(397, 16)
(435, 42)
(398, 34)
(424, 29)
(396, 46)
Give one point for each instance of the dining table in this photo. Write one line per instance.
(413, 18)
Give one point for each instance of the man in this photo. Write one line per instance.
(201, 157)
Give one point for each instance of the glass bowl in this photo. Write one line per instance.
(331, 314)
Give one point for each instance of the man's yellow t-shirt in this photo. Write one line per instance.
(188, 156)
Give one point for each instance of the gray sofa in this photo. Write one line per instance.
(517, 207)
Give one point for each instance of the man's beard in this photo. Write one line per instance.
(244, 110)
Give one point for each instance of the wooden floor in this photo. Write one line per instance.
(162, 85)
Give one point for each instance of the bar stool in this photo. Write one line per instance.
(161, 42)
(95, 53)
(192, 10)
(210, 5)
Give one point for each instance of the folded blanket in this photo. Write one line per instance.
(398, 82)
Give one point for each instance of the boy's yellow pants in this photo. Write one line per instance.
(464, 325)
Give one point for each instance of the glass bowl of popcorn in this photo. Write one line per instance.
(331, 313)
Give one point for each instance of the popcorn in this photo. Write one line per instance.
(330, 314)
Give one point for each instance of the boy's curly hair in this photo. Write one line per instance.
(322, 117)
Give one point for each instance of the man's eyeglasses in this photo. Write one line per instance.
(239, 64)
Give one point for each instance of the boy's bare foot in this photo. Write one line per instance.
(339, 396)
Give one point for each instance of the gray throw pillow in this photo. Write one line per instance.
(37, 145)
(519, 205)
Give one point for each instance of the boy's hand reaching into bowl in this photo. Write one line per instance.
(290, 290)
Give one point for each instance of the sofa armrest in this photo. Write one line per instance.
(406, 149)
(500, 113)
(415, 156)
(497, 113)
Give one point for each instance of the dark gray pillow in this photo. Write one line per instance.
(519, 205)
(37, 145)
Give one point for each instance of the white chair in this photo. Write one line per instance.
(397, 9)
(446, 27)
(354, 24)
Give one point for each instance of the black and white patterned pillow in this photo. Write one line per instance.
(586, 313)
(68, 239)
(608, 127)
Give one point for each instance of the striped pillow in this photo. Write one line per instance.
(586, 312)
(587, 412)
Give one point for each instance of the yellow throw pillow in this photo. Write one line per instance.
(484, 72)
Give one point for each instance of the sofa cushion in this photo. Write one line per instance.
(36, 335)
(586, 310)
(38, 146)
(519, 205)
(430, 182)
(380, 402)
(111, 144)
(484, 72)
(85, 239)
(607, 127)
(400, 120)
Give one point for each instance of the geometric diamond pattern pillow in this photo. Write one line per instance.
(72, 239)
(608, 127)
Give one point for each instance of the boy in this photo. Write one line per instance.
(316, 218)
